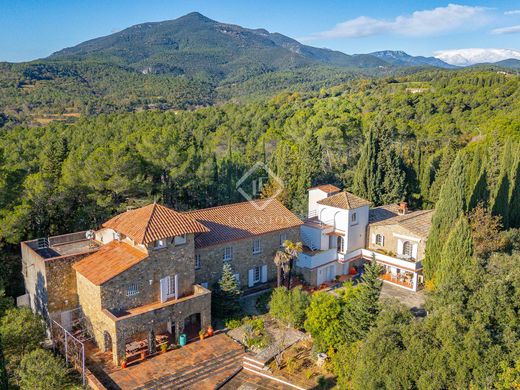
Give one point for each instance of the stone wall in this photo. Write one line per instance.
(390, 241)
(243, 260)
(172, 260)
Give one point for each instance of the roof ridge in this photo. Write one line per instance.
(154, 205)
(229, 204)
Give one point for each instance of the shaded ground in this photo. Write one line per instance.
(245, 380)
(199, 365)
(406, 297)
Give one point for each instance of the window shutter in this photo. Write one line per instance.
(399, 247)
(251, 278)
(264, 273)
(382, 240)
(164, 289)
(414, 251)
(373, 238)
(176, 286)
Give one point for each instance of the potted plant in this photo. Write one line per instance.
(123, 362)
(164, 347)
(210, 331)
(201, 334)
(143, 354)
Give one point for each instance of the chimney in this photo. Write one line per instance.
(403, 208)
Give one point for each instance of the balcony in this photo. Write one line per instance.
(313, 259)
(404, 263)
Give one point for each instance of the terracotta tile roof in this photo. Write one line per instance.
(344, 200)
(417, 222)
(153, 222)
(108, 262)
(328, 188)
(242, 220)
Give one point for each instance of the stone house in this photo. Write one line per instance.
(247, 235)
(342, 232)
(137, 276)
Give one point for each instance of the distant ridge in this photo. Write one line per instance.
(400, 58)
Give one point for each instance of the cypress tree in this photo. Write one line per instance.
(448, 209)
(456, 254)
(227, 293)
(365, 175)
(480, 191)
(501, 201)
(514, 199)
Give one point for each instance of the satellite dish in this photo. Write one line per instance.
(90, 234)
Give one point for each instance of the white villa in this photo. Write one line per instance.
(342, 232)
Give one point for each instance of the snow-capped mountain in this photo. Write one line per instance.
(466, 57)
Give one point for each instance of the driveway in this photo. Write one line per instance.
(406, 297)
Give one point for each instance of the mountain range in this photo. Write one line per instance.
(188, 62)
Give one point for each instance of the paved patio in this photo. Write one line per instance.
(247, 381)
(414, 300)
(199, 365)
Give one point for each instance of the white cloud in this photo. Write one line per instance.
(419, 23)
(464, 57)
(512, 12)
(507, 30)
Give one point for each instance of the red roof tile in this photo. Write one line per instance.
(108, 262)
(242, 220)
(153, 222)
(328, 188)
(344, 200)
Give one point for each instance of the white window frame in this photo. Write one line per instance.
(257, 270)
(170, 287)
(257, 246)
(132, 289)
(197, 261)
(159, 244)
(228, 253)
(179, 240)
(410, 244)
(283, 238)
(380, 239)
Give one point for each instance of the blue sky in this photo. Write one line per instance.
(31, 29)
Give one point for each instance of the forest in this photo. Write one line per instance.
(435, 138)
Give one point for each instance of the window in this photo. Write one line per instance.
(353, 218)
(159, 244)
(380, 239)
(256, 274)
(257, 247)
(204, 284)
(283, 238)
(179, 240)
(228, 253)
(197, 261)
(132, 289)
(407, 248)
(170, 291)
(237, 277)
(340, 244)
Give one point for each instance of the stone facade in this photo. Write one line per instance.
(392, 234)
(115, 317)
(243, 259)
(50, 283)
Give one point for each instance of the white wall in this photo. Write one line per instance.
(315, 195)
(357, 232)
(105, 235)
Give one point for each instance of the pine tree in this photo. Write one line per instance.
(448, 209)
(456, 254)
(362, 308)
(226, 294)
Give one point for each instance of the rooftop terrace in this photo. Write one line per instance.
(63, 245)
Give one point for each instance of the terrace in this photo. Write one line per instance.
(63, 245)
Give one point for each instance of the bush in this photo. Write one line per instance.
(256, 323)
(42, 370)
(289, 306)
(233, 323)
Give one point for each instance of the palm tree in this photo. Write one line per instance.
(284, 260)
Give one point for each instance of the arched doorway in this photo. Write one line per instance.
(107, 339)
(192, 326)
(407, 248)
